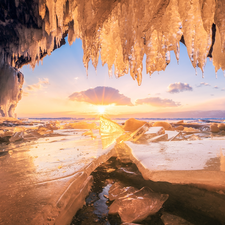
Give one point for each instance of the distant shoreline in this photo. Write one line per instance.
(125, 118)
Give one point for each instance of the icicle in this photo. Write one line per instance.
(216, 74)
(86, 70)
(167, 57)
(110, 72)
(196, 73)
(122, 33)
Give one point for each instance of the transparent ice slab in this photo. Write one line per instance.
(40, 180)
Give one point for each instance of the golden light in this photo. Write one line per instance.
(101, 110)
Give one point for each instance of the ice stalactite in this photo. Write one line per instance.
(218, 54)
(123, 31)
(11, 82)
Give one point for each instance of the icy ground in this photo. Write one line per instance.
(46, 166)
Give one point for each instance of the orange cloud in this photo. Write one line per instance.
(101, 96)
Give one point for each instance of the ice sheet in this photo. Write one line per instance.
(197, 162)
(40, 179)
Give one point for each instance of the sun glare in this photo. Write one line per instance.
(101, 109)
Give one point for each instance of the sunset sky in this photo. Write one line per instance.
(61, 88)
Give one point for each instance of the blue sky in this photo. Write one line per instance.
(65, 74)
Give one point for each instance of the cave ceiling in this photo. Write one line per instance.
(120, 31)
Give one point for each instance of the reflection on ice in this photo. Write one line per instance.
(37, 175)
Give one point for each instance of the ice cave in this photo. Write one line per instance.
(150, 172)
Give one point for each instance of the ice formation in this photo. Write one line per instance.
(123, 31)
(11, 82)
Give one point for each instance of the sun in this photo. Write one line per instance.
(101, 109)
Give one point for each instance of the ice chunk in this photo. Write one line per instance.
(108, 126)
(135, 136)
(162, 137)
(169, 219)
(133, 124)
(221, 126)
(8, 133)
(155, 130)
(80, 125)
(179, 128)
(139, 132)
(191, 130)
(109, 131)
(17, 136)
(172, 134)
(53, 125)
(42, 130)
(214, 128)
(138, 205)
(166, 125)
(89, 133)
(119, 190)
(194, 137)
(2, 133)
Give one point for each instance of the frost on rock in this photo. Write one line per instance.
(11, 82)
(123, 32)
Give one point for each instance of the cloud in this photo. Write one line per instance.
(101, 96)
(216, 87)
(223, 89)
(39, 85)
(179, 87)
(158, 102)
(203, 84)
(24, 94)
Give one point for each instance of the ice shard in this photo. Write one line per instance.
(137, 206)
(109, 131)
